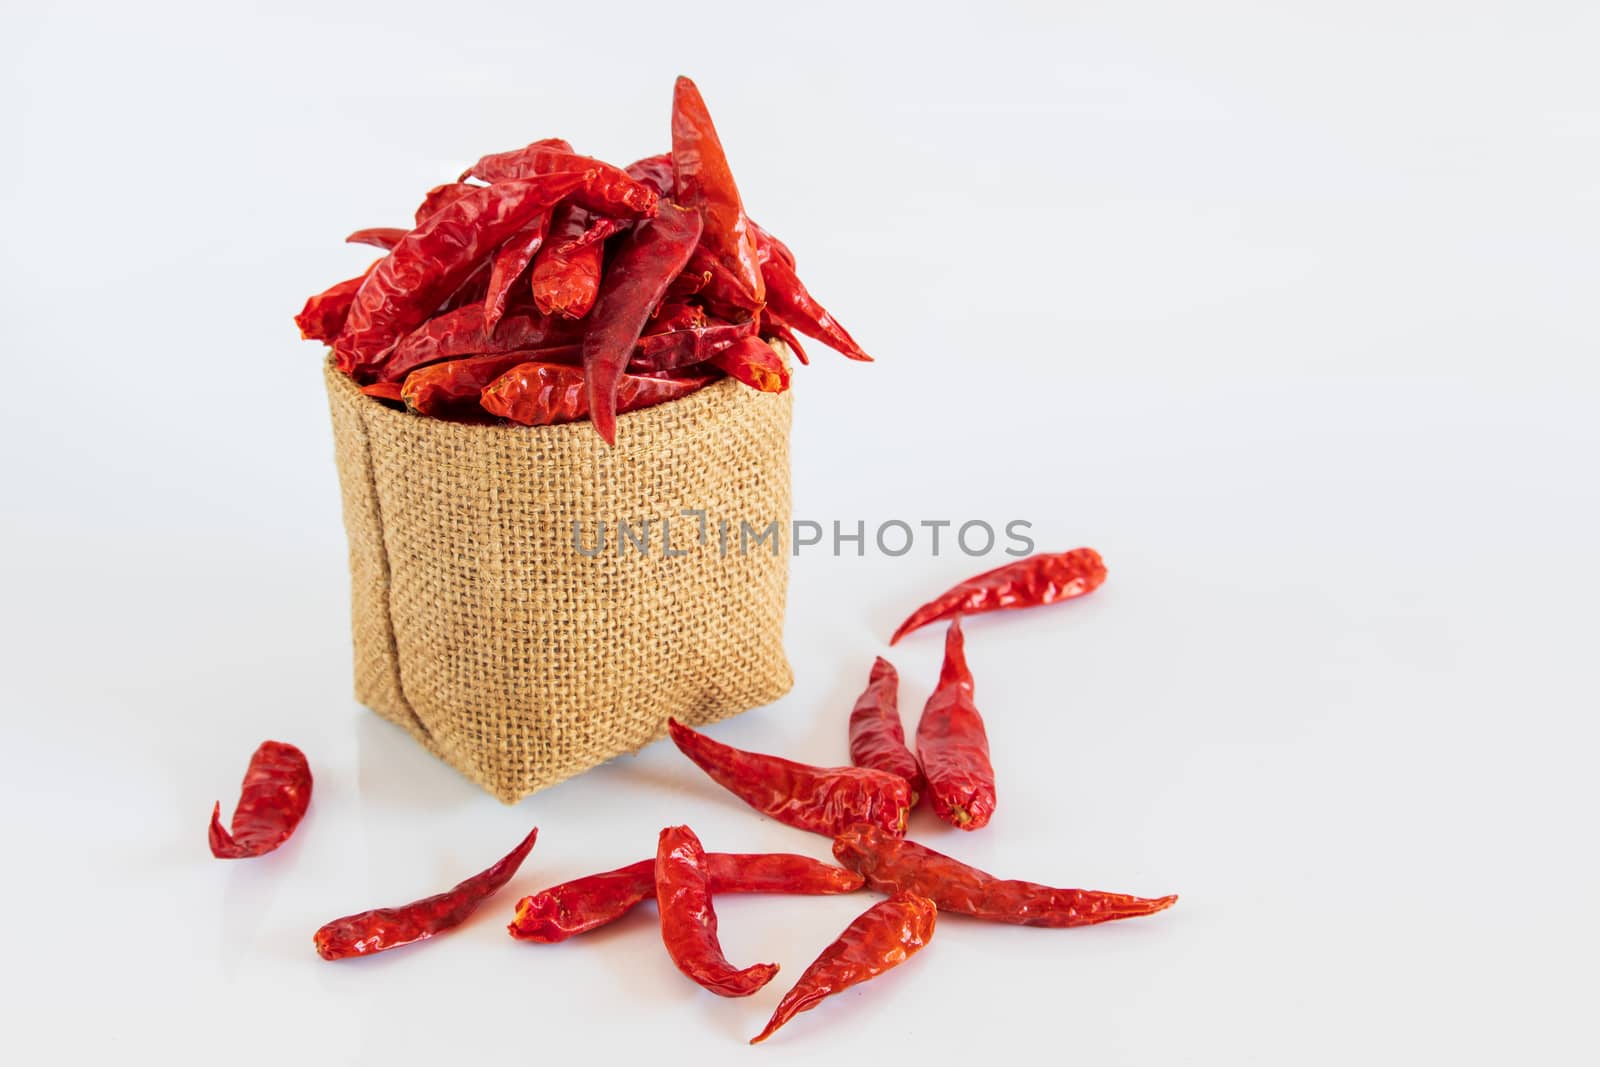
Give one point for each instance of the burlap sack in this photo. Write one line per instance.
(517, 659)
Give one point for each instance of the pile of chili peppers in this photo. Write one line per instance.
(863, 809)
(545, 286)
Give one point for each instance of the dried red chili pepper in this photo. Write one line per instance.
(384, 391)
(649, 257)
(384, 237)
(753, 362)
(461, 333)
(672, 315)
(566, 280)
(674, 350)
(703, 182)
(773, 327)
(603, 183)
(823, 800)
(456, 386)
(791, 302)
(434, 259)
(953, 746)
(1027, 583)
(768, 245)
(381, 929)
(718, 289)
(894, 865)
(654, 171)
(540, 394)
(440, 197)
(877, 738)
(324, 314)
(583, 904)
(879, 939)
(510, 261)
(272, 801)
(689, 922)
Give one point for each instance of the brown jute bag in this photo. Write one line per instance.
(482, 629)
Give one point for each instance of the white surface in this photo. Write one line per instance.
(1300, 305)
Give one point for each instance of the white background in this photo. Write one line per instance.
(1287, 309)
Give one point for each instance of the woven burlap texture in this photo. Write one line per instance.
(517, 659)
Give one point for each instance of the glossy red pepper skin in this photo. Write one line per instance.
(603, 183)
(823, 800)
(384, 391)
(409, 283)
(272, 801)
(510, 260)
(790, 301)
(880, 939)
(566, 280)
(648, 258)
(689, 922)
(456, 386)
(953, 746)
(894, 865)
(703, 181)
(324, 314)
(753, 362)
(384, 237)
(381, 929)
(1027, 583)
(877, 737)
(441, 196)
(584, 904)
(774, 328)
(461, 333)
(656, 172)
(542, 394)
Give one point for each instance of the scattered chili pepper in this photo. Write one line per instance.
(893, 865)
(1027, 583)
(689, 922)
(436, 257)
(753, 362)
(703, 182)
(566, 277)
(272, 801)
(823, 800)
(384, 237)
(509, 262)
(953, 746)
(650, 256)
(583, 904)
(440, 197)
(381, 929)
(879, 939)
(877, 738)
(323, 316)
(540, 394)
(794, 304)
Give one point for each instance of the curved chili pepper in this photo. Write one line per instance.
(649, 257)
(603, 183)
(540, 394)
(753, 362)
(718, 289)
(584, 904)
(434, 259)
(461, 333)
(510, 260)
(324, 314)
(893, 865)
(774, 327)
(566, 277)
(272, 801)
(703, 181)
(790, 301)
(879, 939)
(384, 237)
(384, 391)
(456, 386)
(440, 197)
(823, 800)
(953, 746)
(1027, 583)
(768, 245)
(877, 738)
(689, 922)
(654, 171)
(381, 929)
